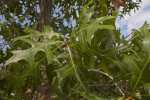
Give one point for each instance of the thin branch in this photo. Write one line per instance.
(102, 85)
(93, 70)
(53, 97)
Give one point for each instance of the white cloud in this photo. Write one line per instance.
(136, 20)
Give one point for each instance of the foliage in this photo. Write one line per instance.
(68, 67)
(18, 14)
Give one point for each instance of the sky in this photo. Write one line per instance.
(136, 20)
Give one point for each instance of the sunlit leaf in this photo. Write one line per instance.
(29, 54)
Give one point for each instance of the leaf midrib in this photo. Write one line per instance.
(140, 74)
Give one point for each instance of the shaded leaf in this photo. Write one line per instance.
(64, 72)
(140, 67)
(87, 26)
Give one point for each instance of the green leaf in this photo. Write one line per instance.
(29, 54)
(85, 6)
(76, 72)
(30, 71)
(97, 38)
(87, 26)
(89, 96)
(50, 73)
(64, 72)
(48, 32)
(36, 76)
(57, 90)
(140, 67)
(70, 69)
(144, 30)
(109, 56)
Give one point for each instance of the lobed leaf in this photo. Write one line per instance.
(29, 54)
(87, 26)
(140, 67)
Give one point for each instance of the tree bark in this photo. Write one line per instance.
(45, 14)
(45, 20)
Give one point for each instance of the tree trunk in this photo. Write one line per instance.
(45, 14)
(45, 19)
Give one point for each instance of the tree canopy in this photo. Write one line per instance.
(70, 49)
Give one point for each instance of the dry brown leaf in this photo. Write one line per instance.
(118, 3)
(47, 95)
(44, 87)
(42, 98)
(30, 90)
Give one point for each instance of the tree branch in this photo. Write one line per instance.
(93, 70)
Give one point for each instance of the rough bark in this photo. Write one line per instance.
(45, 13)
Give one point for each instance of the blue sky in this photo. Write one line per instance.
(136, 20)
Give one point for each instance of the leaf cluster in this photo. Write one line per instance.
(93, 55)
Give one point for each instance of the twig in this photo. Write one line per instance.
(53, 97)
(102, 85)
(93, 70)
